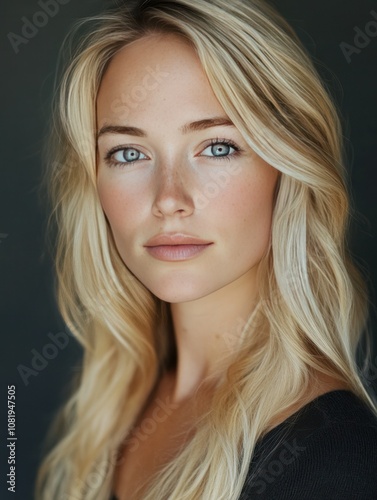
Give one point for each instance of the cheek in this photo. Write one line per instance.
(247, 200)
(121, 206)
(245, 210)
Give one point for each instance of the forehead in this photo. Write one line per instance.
(156, 72)
(152, 49)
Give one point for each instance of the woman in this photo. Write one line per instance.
(202, 208)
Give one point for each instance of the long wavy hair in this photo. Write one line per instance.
(312, 313)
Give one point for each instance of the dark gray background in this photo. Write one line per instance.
(27, 307)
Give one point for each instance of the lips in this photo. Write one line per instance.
(176, 246)
(172, 239)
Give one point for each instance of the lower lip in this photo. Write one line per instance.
(176, 252)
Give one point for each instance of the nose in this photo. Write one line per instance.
(172, 192)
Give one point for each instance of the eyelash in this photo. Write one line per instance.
(112, 163)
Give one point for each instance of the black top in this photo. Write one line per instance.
(327, 450)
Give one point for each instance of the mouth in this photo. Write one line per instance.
(176, 252)
(175, 239)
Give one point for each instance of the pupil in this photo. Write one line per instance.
(130, 154)
(220, 150)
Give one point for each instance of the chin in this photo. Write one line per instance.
(176, 297)
(178, 292)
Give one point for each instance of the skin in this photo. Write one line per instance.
(167, 189)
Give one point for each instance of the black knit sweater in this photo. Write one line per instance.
(327, 450)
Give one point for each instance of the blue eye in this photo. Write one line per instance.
(128, 155)
(220, 149)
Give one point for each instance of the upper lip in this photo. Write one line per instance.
(175, 239)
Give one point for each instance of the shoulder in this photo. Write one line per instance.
(326, 450)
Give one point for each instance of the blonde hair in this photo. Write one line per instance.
(313, 306)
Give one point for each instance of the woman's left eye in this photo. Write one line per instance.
(220, 149)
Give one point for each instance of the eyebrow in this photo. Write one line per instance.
(185, 129)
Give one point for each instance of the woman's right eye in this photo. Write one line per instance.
(124, 156)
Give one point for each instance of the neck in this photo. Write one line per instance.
(207, 331)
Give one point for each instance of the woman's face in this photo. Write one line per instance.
(170, 161)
